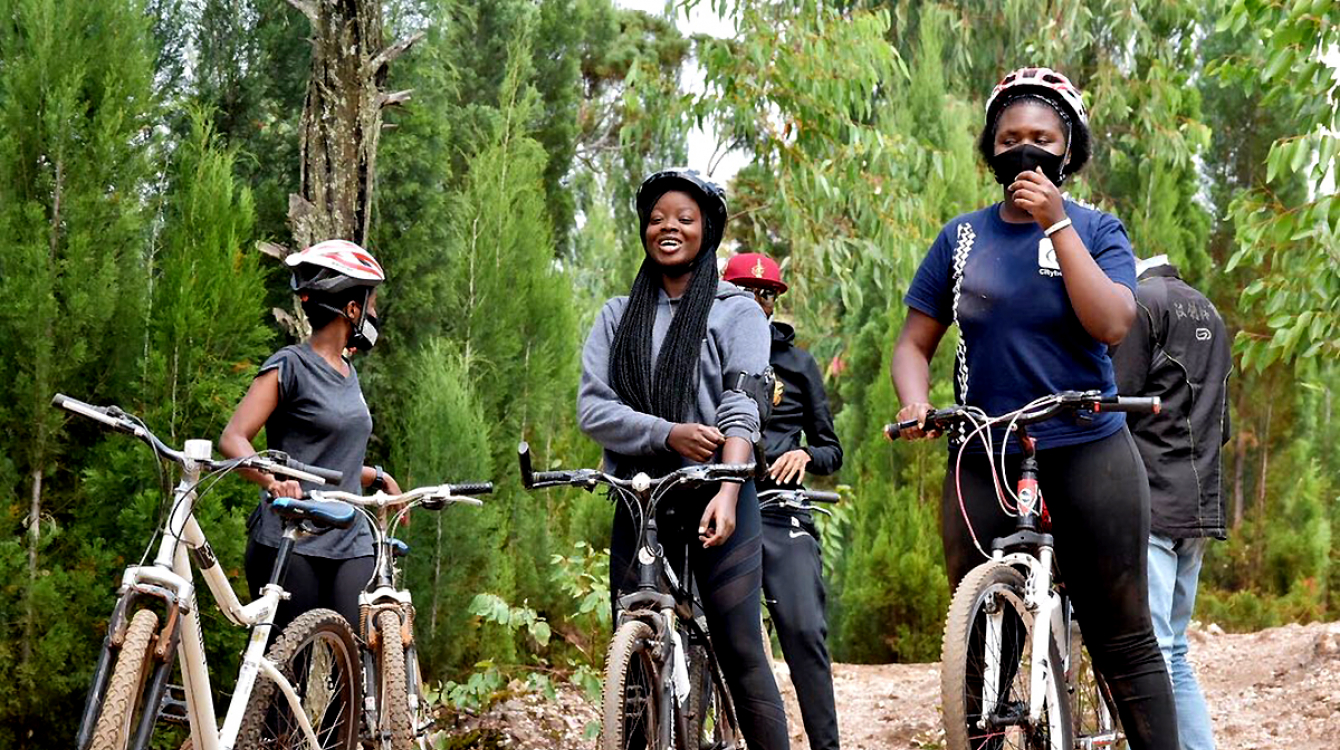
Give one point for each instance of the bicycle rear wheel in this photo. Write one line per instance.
(121, 707)
(987, 651)
(397, 728)
(316, 653)
(631, 704)
(710, 715)
(1092, 712)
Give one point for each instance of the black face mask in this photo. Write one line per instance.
(364, 336)
(1008, 165)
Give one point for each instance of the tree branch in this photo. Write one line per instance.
(395, 99)
(307, 8)
(278, 252)
(385, 57)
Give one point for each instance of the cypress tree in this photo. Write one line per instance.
(75, 107)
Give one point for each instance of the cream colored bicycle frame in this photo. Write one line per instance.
(171, 570)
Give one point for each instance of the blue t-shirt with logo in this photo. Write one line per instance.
(1021, 338)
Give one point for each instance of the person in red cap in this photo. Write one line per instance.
(792, 570)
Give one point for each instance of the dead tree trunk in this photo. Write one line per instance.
(342, 119)
(341, 124)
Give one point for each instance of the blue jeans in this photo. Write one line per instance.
(1174, 568)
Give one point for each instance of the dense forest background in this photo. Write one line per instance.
(148, 148)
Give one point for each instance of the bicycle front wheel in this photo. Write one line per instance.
(397, 729)
(985, 669)
(318, 656)
(121, 707)
(630, 707)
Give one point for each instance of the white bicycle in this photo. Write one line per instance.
(313, 665)
(1013, 671)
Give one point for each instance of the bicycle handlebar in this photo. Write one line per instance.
(814, 496)
(432, 497)
(691, 476)
(277, 462)
(941, 420)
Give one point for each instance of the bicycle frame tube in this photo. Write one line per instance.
(1046, 601)
(171, 570)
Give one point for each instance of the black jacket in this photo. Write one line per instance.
(1178, 349)
(800, 405)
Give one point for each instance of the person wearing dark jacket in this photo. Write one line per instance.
(792, 569)
(1178, 350)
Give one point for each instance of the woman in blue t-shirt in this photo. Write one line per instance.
(308, 399)
(1039, 286)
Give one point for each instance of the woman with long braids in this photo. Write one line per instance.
(1039, 286)
(652, 395)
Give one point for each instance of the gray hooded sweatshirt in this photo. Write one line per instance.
(738, 339)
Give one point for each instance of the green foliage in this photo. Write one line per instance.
(133, 187)
(1294, 235)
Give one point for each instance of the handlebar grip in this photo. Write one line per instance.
(822, 496)
(471, 488)
(96, 413)
(550, 477)
(523, 458)
(1145, 404)
(894, 430)
(331, 476)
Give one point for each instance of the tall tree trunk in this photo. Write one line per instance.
(342, 119)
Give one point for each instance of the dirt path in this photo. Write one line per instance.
(1278, 689)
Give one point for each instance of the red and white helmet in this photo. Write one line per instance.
(1044, 82)
(334, 266)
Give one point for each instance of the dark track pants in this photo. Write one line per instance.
(729, 580)
(1098, 497)
(794, 587)
(312, 582)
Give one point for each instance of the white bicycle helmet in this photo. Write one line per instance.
(1042, 81)
(333, 266)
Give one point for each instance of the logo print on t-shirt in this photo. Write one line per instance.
(1048, 265)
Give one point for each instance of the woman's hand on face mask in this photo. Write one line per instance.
(1036, 194)
(696, 442)
(718, 521)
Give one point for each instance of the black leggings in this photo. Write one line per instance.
(311, 582)
(1098, 497)
(730, 580)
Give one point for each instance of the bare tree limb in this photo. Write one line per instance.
(385, 57)
(307, 8)
(278, 252)
(394, 99)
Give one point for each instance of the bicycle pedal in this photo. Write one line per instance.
(173, 708)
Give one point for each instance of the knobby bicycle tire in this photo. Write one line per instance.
(397, 725)
(125, 691)
(318, 655)
(987, 590)
(1092, 712)
(631, 701)
(710, 714)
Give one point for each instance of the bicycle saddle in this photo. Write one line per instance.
(325, 514)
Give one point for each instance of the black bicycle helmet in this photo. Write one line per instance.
(710, 196)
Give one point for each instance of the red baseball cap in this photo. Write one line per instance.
(754, 270)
